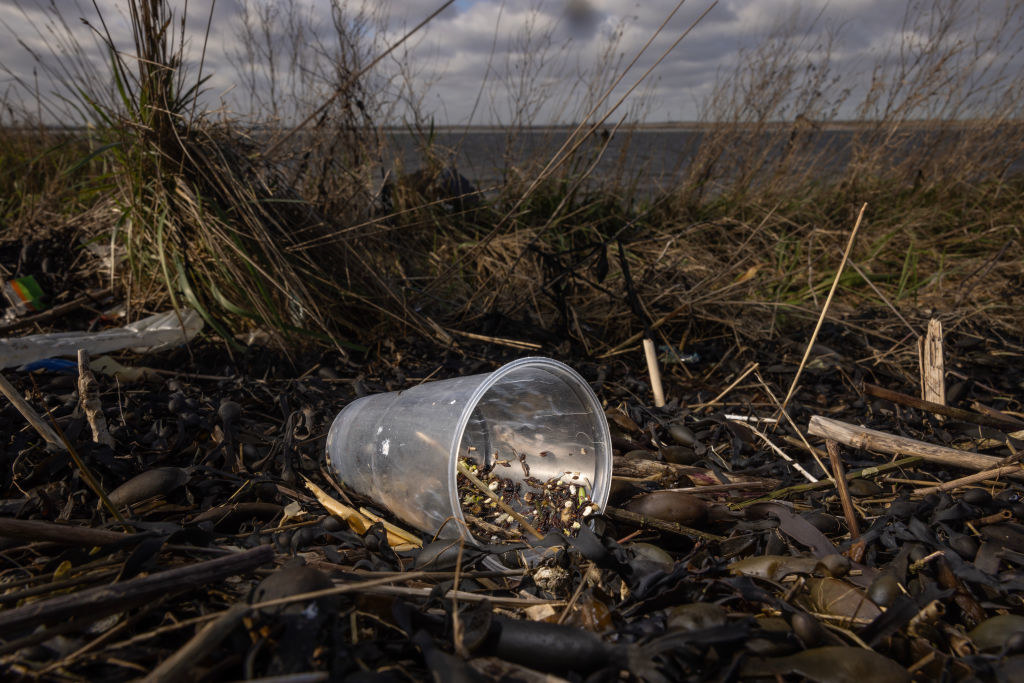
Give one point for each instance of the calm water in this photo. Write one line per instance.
(652, 159)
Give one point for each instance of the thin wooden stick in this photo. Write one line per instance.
(576, 594)
(378, 586)
(883, 297)
(369, 587)
(796, 428)
(56, 311)
(989, 420)
(93, 603)
(466, 596)
(201, 644)
(56, 442)
(722, 488)
(874, 440)
(464, 471)
(76, 582)
(824, 309)
(716, 399)
(999, 414)
(782, 454)
(969, 479)
(64, 534)
(655, 373)
(826, 483)
(640, 469)
(503, 341)
(839, 474)
(802, 443)
(29, 413)
(457, 631)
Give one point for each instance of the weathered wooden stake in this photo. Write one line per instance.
(933, 372)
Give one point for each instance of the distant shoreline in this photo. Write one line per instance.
(698, 126)
(660, 127)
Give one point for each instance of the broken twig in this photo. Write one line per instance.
(874, 440)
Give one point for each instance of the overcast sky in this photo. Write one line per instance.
(487, 61)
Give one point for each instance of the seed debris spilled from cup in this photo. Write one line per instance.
(561, 503)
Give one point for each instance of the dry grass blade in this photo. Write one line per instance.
(824, 309)
(778, 451)
(802, 439)
(732, 385)
(573, 142)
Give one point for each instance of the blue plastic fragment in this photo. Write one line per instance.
(61, 365)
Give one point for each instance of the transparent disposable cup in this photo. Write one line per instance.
(401, 448)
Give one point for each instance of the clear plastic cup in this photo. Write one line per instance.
(401, 448)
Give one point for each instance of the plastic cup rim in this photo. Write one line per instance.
(565, 372)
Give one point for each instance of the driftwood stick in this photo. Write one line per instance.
(175, 667)
(93, 603)
(902, 399)
(998, 414)
(64, 534)
(874, 440)
(839, 474)
(638, 520)
(970, 479)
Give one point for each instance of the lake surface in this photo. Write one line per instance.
(656, 159)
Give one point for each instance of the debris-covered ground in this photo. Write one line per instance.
(831, 491)
(717, 557)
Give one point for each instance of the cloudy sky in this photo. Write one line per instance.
(494, 62)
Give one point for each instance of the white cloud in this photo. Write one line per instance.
(544, 54)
